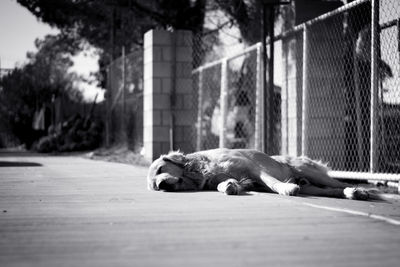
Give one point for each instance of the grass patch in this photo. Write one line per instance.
(119, 154)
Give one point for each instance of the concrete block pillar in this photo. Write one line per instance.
(168, 101)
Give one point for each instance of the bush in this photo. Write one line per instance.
(75, 134)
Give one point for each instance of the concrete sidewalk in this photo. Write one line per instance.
(70, 211)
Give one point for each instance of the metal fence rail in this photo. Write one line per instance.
(339, 100)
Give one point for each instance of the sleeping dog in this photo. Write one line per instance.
(235, 171)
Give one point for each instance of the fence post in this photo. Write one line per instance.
(157, 77)
(167, 74)
(305, 97)
(259, 120)
(374, 85)
(223, 102)
(123, 78)
(200, 111)
(108, 107)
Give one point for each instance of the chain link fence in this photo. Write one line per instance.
(329, 105)
(389, 83)
(350, 115)
(124, 118)
(229, 102)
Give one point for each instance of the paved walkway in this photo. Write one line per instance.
(70, 211)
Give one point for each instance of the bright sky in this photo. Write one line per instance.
(18, 31)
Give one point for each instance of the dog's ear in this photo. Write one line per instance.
(175, 157)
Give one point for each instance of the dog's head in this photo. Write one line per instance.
(168, 173)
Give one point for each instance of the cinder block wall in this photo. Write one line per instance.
(167, 92)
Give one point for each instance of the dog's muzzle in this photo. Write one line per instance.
(166, 182)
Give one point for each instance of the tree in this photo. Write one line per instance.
(246, 14)
(111, 24)
(44, 77)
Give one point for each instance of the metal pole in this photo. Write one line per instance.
(108, 107)
(173, 92)
(200, 112)
(268, 92)
(259, 123)
(123, 78)
(394, 177)
(223, 103)
(271, 89)
(374, 85)
(305, 98)
(109, 77)
(264, 80)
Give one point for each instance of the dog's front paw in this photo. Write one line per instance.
(356, 193)
(287, 189)
(229, 187)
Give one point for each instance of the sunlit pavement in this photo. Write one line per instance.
(71, 211)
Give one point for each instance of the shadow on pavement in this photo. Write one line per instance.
(19, 164)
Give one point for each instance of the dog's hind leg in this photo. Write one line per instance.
(318, 175)
(323, 179)
(312, 190)
(287, 189)
(314, 171)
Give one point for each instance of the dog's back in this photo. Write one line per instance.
(303, 166)
(314, 171)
